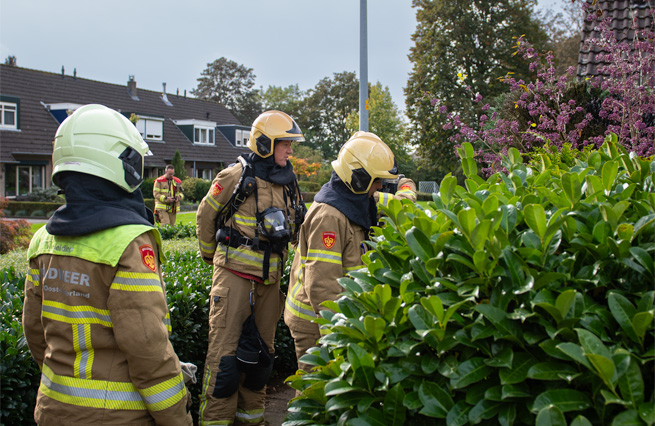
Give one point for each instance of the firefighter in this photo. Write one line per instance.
(167, 192)
(95, 315)
(401, 188)
(331, 238)
(244, 225)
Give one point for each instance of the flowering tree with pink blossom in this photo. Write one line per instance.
(556, 113)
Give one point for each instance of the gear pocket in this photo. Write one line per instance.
(218, 307)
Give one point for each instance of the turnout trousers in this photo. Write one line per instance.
(237, 402)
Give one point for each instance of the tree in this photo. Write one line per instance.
(325, 110)
(469, 38)
(287, 99)
(229, 83)
(385, 120)
(178, 163)
(564, 30)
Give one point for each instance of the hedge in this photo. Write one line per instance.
(523, 299)
(30, 208)
(188, 281)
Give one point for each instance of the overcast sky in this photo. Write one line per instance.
(284, 41)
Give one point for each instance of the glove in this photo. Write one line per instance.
(189, 372)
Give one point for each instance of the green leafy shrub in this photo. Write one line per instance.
(20, 374)
(195, 188)
(146, 187)
(13, 233)
(520, 300)
(179, 230)
(309, 186)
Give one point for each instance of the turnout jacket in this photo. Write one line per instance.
(241, 259)
(97, 323)
(406, 190)
(329, 246)
(164, 188)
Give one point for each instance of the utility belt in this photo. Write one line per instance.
(232, 238)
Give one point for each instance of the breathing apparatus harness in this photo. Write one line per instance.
(272, 223)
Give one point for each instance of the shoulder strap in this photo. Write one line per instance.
(240, 193)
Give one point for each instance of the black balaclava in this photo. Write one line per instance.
(359, 208)
(268, 170)
(94, 204)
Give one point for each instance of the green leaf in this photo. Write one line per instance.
(581, 421)
(623, 311)
(336, 387)
(627, 418)
(363, 365)
(466, 219)
(515, 391)
(498, 317)
(484, 409)
(434, 305)
(564, 399)
(519, 371)
(551, 370)
(641, 322)
(436, 401)
(447, 189)
(419, 243)
(565, 301)
(459, 414)
(592, 344)
(631, 384)
(644, 259)
(374, 327)
(647, 413)
(605, 368)
(550, 416)
(574, 352)
(393, 408)
(371, 417)
(481, 234)
(610, 170)
(535, 216)
(470, 371)
(571, 187)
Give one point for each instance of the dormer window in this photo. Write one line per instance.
(203, 135)
(241, 138)
(200, 132)
(151, 128)
(61, 110)
(8, 114)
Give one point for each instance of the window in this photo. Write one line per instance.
(8, 115)
(203, 135)
(205, 174)
(151, 128)
(241, 137)
(21, 180)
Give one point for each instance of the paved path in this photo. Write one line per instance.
(276, 405)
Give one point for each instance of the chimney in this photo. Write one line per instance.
(74, 73)
(131, 88)
(164, 97)
(62, 71)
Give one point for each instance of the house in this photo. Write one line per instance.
(621, 13)
(33, 104)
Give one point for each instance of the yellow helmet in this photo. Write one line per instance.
(99, 141)
(269, 127)
(363, 159)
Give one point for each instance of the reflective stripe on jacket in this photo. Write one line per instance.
(162, 189)
(96, 321)
(242, 259)
(329, 247)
